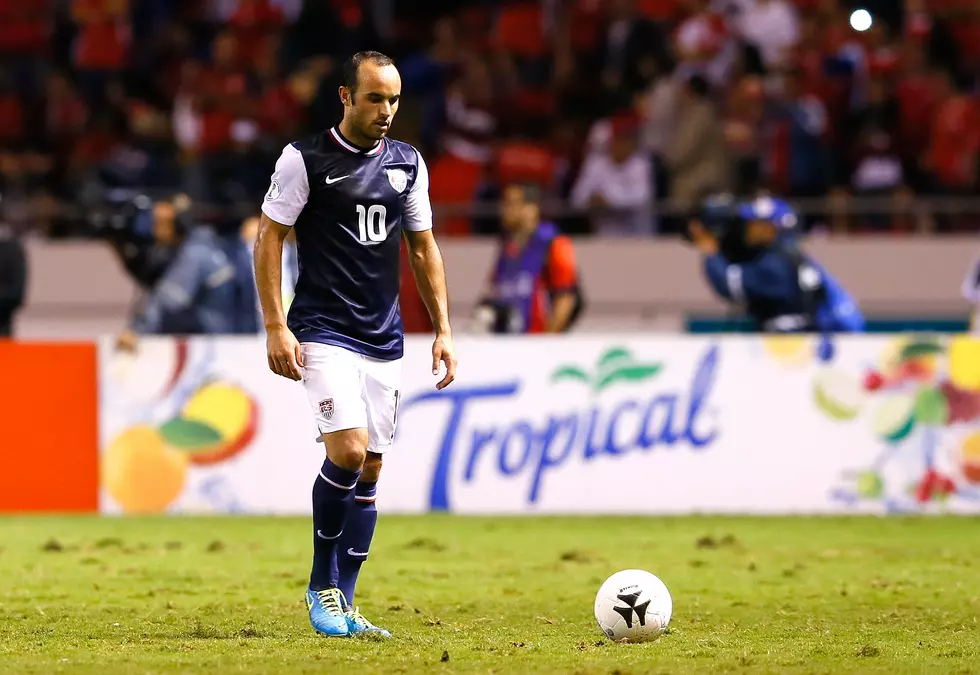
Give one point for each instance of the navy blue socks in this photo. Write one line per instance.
(356, 539)
(333, 499)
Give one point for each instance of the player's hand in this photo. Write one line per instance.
(703, 240)
(285, 355)
(127, 341)
(444, 351)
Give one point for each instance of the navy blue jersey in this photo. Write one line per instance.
(349, 207)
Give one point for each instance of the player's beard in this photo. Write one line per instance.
(374, 131)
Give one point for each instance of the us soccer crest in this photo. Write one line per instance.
(398, 179)
(326, 408)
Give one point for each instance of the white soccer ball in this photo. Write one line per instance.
(633, 606)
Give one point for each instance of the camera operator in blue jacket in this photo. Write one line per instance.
(751, 257)
(197, 292)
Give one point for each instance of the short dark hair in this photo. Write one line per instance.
(531, 192)
(352, 65)
(698, 85)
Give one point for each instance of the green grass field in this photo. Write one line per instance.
(480, 595)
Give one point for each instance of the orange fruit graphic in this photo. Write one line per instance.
(141, 472)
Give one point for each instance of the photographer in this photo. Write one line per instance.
(751, 258)
(196, 292)
(128, 229)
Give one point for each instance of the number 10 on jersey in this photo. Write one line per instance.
(371, 222)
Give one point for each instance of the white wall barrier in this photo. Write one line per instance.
(594, 424)
(79, 290)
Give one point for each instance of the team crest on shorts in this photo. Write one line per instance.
(398, 179)
(326, 408)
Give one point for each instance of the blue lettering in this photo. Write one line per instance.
(525, 435)
(458, 397)
(701, 383)
(591, 448)
(666, 419)
(481, 439)
(611, 447)
(549, 459)
(650, 435)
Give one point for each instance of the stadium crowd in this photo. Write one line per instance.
(618, 109)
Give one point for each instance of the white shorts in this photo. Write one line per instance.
(351, 391)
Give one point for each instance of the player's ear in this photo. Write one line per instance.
(345, 96)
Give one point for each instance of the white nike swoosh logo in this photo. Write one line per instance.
(351, 551)
(331, 181)
(320, 534)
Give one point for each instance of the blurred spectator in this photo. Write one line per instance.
(237, 173)
(103, 42)
(64, 112)
(809, 164)
(875, 164)
(469, 117)
(917, 94)
(13, 278)
(656, 107)
(929, 28)
(704, 43)
(696, 155)
(426, 72)
(616, 184)
(632, 52)
(772, 27)
(101, 94)
(744, 122)
(954, 141)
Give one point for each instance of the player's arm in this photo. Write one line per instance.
(429, 270)
(281, 207)
(768, 278)
(562, 283)
(268, 270)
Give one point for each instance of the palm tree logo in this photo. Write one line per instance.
(615, 365)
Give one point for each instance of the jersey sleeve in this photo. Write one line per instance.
(289, 189)
(418, 210)
(562, 268)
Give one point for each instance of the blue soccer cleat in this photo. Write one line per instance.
(327, 612)
(358, 626)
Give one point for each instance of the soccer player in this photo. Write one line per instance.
(349, 193)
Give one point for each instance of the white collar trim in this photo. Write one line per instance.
(350, 148)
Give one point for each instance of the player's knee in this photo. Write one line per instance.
(350, 457)
(347, 449)
(372, 467)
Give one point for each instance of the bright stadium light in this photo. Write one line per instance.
(861, 20)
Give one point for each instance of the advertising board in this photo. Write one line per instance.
(583, 424)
